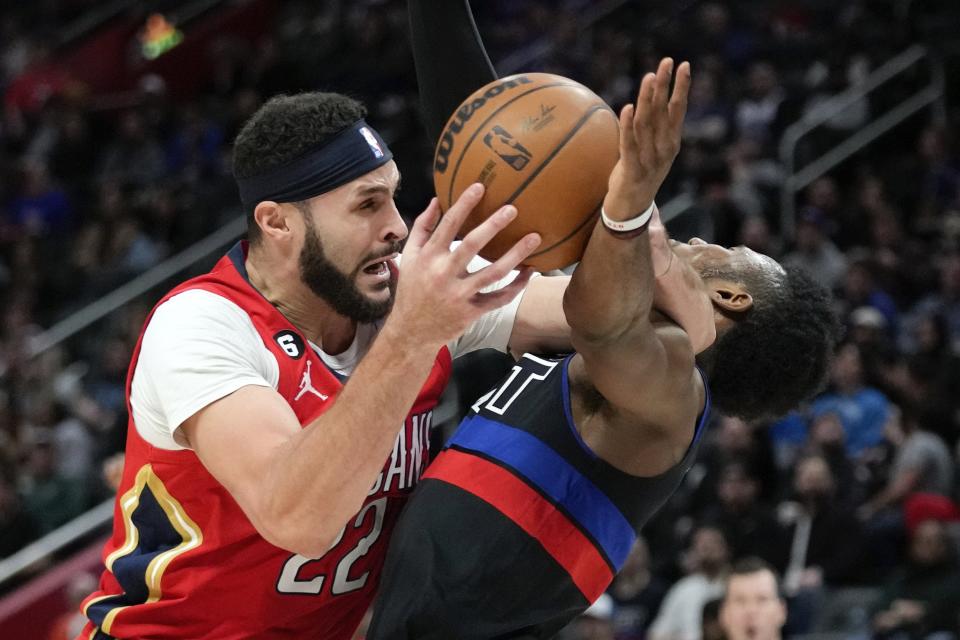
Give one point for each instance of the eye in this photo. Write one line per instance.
(369, 204)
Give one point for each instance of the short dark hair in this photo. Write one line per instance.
(749, 565)
(777, 354)
(285, 128)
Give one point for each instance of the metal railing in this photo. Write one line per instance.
(797, 179)
(56, 540)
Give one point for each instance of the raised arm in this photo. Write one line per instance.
(449, 57)
(641, 363)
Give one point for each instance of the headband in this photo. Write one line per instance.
(353, 152)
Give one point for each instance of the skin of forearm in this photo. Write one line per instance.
(612, 289)
(319, 480)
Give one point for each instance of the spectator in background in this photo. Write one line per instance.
(922, 464)
(134, 156)
(758, 114)
(41, 209)
(862, 410)
(49, 498)
(752, 607)
(17, 526)
(860, 289)
(946, 300)
(815, 252)
(749, 526)
(680, 616)
(825, 537)
(596, 623)
(922, 597)
(636, 593)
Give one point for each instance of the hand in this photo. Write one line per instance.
(650, 135)
(679, 291)
(436, 298)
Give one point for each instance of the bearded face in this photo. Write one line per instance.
(342, 290)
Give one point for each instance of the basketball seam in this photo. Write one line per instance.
(482, 125)
(553, 154)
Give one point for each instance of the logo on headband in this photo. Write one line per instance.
(372, 141)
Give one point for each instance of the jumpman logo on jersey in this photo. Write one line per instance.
(306, 385)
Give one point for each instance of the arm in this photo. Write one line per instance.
(449, 56)
(299, 486)
(641, 366)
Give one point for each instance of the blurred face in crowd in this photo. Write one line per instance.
(737, 489)
(709, 549)
(352, 235)
(752, 608)
(929, 545)
(813, 479)
(809, 237)
(847, 371)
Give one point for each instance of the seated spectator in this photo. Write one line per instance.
(637, 594)
(49, 498)
(860, 289)
(922, 597)
(815, 251)
(825, 537)
(750, 527)
(922, 464)
(680, 616)
(752, 607)
(17, 526)
(862, 410)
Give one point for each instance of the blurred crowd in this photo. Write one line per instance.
(853, 499)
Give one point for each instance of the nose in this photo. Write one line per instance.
(395, 229)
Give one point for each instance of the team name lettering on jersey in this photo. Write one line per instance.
(410, 456)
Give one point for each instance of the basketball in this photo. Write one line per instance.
(542, 142)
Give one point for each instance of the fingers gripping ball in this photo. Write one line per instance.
(541, 142)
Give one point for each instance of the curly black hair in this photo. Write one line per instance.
(285, 128)
(777, 354)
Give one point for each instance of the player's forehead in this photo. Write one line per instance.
(386, 177)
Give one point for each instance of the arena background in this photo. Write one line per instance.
(821, 133)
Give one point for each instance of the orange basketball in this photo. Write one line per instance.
(541, 142)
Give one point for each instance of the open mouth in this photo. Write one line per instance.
(381, 266)
(376, 269)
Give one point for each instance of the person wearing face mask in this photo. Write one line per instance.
(823, 538)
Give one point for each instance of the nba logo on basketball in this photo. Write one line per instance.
(372, 141)
(509, 150)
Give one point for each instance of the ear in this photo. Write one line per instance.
(272, 219)
(730, 296)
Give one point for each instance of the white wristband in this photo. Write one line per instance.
(627, 225)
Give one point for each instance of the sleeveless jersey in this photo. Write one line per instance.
(517, 526)
(185, 562)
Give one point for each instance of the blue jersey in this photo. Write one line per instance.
(517, 527)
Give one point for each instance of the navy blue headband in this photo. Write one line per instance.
(353, 152)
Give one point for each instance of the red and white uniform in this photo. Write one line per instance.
(184, 561)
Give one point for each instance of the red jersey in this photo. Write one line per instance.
(185, 562)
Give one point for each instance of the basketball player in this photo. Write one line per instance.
(260, 484)
(524, 519)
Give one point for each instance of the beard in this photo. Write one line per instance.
(339, 289)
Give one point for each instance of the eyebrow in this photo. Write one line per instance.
(377, 188)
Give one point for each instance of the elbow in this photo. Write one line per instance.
(301, 540)
(295, 531)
